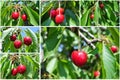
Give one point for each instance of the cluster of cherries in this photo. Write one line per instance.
(58, 15)
(101, 5)
(15, 16)
(18, 43)
(20, 69)
(79, 58)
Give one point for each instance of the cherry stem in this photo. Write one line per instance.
(59, 7)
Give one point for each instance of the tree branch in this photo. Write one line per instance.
(84, 30)
(88, 41)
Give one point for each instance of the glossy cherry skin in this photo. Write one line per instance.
(17, 44)
(59, 18)
(79, 58)
(15, 15)
(114, 49)
(13, 37)
(60, 11)
(21, 69)
(91, 16)
(53, 13)
(27, 40)
(24, 17)
(96, 73)
(101, 5)
(14, 71)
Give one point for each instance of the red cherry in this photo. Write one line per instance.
(14, 71)
(101, 5)
(13, 37)
(15, 15)
(59, 18)
(24, 17)
(21, 69)
(52, 13)
(17, 44)
(27, 40)
(91, 16)
(60, 11)
(96, 73)
(114, 49)
(79, 58)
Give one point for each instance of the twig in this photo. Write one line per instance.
(87, 40)
(84, 30)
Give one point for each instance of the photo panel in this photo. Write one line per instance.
(80, 52)
(60, 13)
(20, 66)
(99, 13)
(20, 39)
(19, 13)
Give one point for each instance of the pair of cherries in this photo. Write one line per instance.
(15, 16)
(58, 14)
(20, 69)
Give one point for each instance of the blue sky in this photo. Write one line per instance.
(34, 29)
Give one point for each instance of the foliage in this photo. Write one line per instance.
(108, 16)
(71, 13)
(58, 44)
(10, 61)
(8, 45)
(31, 8)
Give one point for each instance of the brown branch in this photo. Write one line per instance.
(88, 41)
(84, 30)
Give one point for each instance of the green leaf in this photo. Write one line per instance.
(32, 18)
(55, 35)
(9, 70)
(20, 22)
(115, 34)
(52, 65)
(46, 8)
(36, 15)
(73, 17)
(61, 70)
(48, 22)
(97, 13)
(116, 6)
(5, 67)
(7, 32)
(109, 62)
(85, 17)
(32, 61)
(110, 13)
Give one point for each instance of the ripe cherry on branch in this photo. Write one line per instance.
(14, 71)
(60, 11)
(59, 18)
(101, 5)
(21, 69)
(15, 15)
(91, 16)
(52, 13)
(79, 58)
(96, 74)
(17, 44)
(114, 49)
(24, 17)
(27, 40)
(13, 37)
